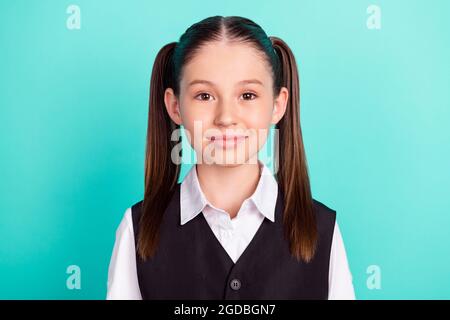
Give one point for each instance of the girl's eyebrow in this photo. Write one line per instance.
(249, 81)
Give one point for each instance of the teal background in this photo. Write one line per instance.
(375, 109)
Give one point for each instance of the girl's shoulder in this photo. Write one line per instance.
(322, 207)
(325, 216)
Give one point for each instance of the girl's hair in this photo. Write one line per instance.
(161, 173)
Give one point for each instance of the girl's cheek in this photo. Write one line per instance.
(195, 133)
(259, 115)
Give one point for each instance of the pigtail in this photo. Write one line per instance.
(298, 217)
(161, 173)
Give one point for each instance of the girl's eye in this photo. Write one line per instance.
(249, 95)
(204, 96)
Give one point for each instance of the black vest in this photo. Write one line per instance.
(190, 262)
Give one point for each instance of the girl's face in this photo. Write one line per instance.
(226, 103)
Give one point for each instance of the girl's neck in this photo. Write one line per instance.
(227, 187)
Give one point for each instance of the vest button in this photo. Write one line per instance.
(235, 284)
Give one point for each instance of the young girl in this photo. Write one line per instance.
(231, 229)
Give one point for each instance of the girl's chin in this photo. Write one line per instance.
(228, 159)
(226, 164)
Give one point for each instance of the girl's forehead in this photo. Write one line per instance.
(224, 62)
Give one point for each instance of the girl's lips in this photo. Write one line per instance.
(227, 141)
(213, 138)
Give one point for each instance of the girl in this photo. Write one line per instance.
(231, 229)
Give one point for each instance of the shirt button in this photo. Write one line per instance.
(235, 284)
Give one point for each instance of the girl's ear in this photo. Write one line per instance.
(280, 105)
(172, 106)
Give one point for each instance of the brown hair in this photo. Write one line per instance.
(161, 173)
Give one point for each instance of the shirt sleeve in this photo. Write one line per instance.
(340, 277)
(122, 275)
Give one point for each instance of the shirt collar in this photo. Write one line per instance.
(193, 200)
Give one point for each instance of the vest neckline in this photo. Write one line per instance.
(253, 242)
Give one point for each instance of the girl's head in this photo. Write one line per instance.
(225, 76)
(226, 81)
(226, 87)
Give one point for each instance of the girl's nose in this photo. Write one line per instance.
(226, 115)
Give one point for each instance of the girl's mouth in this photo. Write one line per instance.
(227, 141)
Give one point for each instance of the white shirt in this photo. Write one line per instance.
(234, 235)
